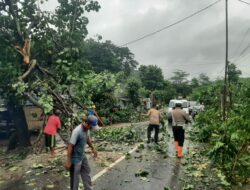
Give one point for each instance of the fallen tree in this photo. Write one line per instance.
(33, 74)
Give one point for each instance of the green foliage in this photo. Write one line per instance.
(233, 73)
(180, 83)
(151, 77)
(59, 54)
(105, 56)
(229, 139)
(143, 92)
(20, 87)
(194, 83)
(206, 124)
(163, 95)
(199, 170)
(209, 95)
(46, 102)
(124, 115)
(102, 87)
(121, 135)
(179, 77)
(133, 86)
(230, 148)
(8, 74)
(204, 79)
(70, 20)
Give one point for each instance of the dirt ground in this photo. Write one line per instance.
(46, 172)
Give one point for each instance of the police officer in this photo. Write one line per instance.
(179, 119)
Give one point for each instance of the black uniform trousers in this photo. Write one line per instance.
(156, 128)
(179, 134)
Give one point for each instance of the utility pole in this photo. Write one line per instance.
(226, 67)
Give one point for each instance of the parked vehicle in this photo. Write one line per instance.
(194, 108)
(33, 116)
(185, 105)
(171, 105)
(192, 104)
(6, 124)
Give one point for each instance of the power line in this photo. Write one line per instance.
(219, 72)
(244, 72)
(244, 2)
(241, 54)
(173, 24)
(243, 59)
(192, 63)
(241, 42)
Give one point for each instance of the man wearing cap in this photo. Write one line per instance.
(179, 119)
(77, 162)
(91, 114)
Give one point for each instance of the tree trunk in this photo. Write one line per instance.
(22, 132)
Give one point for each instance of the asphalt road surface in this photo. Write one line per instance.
(163, 172)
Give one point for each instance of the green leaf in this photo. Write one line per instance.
(50, 186)
(15, 168)
(37, 166)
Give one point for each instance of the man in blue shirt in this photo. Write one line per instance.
(77, 162)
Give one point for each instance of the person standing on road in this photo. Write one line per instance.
(179, 119)
(163, 116)
(51, 129)
(154, 123)
(77, 162)
(92, 114)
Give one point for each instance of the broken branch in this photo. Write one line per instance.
(31, 68)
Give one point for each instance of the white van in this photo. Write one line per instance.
(184, 103)
(185, 106)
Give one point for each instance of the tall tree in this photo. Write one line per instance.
(180, 83)
(233, 73)
(39, 65)
(167, 93)
(179, 77)
(108, 56)
(194, 83)
(133, 86)
(151, 77)
(204, 79)
(233, 78)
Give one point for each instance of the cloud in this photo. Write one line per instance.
(196, 45)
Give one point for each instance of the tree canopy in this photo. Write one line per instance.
(151, 77)
(107, 56)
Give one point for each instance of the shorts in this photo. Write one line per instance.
(50, 141)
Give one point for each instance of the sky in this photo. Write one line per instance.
(195, 46)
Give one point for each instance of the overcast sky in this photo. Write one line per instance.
(196, 45)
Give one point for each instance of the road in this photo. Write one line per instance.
(162, 172)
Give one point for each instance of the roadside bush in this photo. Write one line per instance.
(207, 124)
(125, 115)
(229, 141)
(119, 135)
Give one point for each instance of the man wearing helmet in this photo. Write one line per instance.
(179, 119)
(77, 162)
